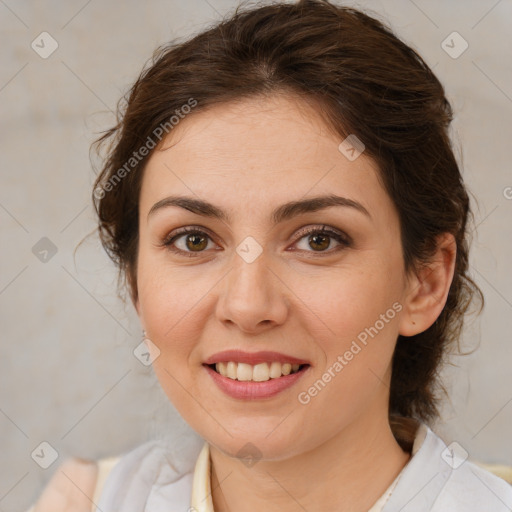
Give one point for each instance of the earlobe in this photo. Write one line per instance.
(427, 290)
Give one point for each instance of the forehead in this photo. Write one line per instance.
(258, 152)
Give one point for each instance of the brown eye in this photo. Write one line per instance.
(196, 242)
(187, 241)
(319, 240)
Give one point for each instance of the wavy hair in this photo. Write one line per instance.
(363, 81)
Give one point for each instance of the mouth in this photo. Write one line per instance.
(260, 372)
(257, 381)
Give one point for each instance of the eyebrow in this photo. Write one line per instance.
(280, 214)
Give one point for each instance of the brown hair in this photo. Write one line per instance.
(363, 81)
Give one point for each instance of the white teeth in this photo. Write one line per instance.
(222, 368)
(275, 370)
(244, 371)
(231, 370)
(258, 373)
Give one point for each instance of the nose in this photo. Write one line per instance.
(253, 297)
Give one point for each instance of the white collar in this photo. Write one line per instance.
(435, 479)
(201, 498)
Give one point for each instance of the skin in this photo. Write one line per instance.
(337, 452)
(71, 488)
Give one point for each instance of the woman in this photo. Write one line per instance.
(282, 200)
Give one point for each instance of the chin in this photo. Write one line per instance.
(257, 444)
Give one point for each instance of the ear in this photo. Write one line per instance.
(427, 290)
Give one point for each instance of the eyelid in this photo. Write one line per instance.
(322, 228)
(339, 236)
(185, 230)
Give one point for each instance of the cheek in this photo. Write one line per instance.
(355, 326)
(169, 298)
(341, 305)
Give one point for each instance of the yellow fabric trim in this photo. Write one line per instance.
(104, 467)
(201, 498)
(500, 470)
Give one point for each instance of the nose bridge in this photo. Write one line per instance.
(252, 295)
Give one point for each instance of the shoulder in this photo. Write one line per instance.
(141, 477)
(146, 476)
(440, 478)
(473, 488)
(469, 486)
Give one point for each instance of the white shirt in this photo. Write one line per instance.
(435, 480)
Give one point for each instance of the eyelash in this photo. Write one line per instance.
(341, 238)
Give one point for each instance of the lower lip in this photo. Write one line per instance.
(250, 390)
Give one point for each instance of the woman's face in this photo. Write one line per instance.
(255, 280)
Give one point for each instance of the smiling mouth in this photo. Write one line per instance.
(261, 372)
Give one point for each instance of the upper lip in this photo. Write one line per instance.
(252, 358)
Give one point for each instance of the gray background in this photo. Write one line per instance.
(68, 373)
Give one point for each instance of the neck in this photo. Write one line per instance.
(362, 460)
